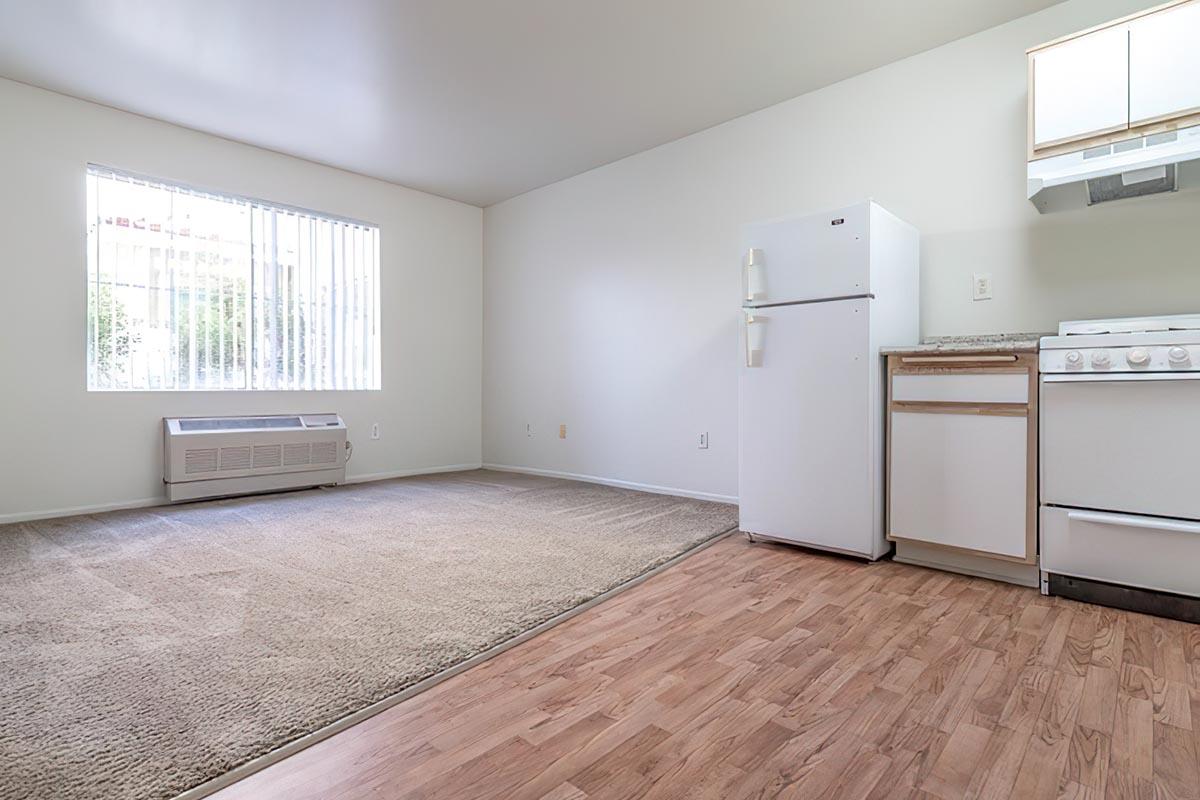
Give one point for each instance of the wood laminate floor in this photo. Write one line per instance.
(755, 670)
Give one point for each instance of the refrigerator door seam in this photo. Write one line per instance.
(865, 296)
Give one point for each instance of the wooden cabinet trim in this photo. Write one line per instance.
(1192, 115)
(1073, 144)
(954, 407)
(965, 368)
(966, 358)
(1165, 125)
(966, 550)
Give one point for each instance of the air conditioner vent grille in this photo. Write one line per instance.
(215, 424)
(324, 452)
(225, 456)
(199, 460)
(267, 455)
(235, 458)
(295, 454)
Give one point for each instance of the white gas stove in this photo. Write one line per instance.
(1124, 346)
(1120, 442)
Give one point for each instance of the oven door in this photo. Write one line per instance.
(1126, 443)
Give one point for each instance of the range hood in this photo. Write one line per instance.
(1151, 164)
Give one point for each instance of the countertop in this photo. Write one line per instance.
(982, 343)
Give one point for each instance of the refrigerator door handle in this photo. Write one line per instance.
(754, 339)
(753, 265)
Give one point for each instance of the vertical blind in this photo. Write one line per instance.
(190, 290)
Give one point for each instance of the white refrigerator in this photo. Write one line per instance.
(820, 295)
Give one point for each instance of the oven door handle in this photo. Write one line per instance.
(1118, 377)
(1128, 521)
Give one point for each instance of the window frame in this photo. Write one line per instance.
(250, 202)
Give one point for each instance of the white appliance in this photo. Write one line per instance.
(1150, 164)
(820, 293)
(1120, 438)
(222, 456)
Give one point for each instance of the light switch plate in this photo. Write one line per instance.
(981, 286)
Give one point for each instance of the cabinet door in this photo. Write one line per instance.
(960, 479)
(1081, 87)
(1164, 64)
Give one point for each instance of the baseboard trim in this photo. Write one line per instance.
(306, 741)
(641, 487)
(408, 473)
(74, 511)
(148, 502)
(1031, 583)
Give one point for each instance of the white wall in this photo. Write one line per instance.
(610, 299)
(64, 447)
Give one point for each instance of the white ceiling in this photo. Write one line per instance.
(477, 100)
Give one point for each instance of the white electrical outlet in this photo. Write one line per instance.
(703, 441)
(529, 430)
(375, 430)
(981, 286)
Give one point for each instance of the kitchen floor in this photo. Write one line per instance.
(756, 670)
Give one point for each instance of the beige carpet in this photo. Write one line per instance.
(145, 652)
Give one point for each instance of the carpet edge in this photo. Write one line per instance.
(260, 763)
(614, 482)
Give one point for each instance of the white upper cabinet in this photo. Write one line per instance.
(1081, 87)
(1164, 64)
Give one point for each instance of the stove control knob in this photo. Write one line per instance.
(1138, 357)
(1178, 356)
(1074, 360)
(1101, 360)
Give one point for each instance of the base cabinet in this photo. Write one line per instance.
(962, 458)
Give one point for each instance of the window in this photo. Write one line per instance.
(189, 290)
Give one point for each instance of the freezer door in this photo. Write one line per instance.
(807, 463)
(807, 258)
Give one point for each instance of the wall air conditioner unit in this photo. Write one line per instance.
(222, 456)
